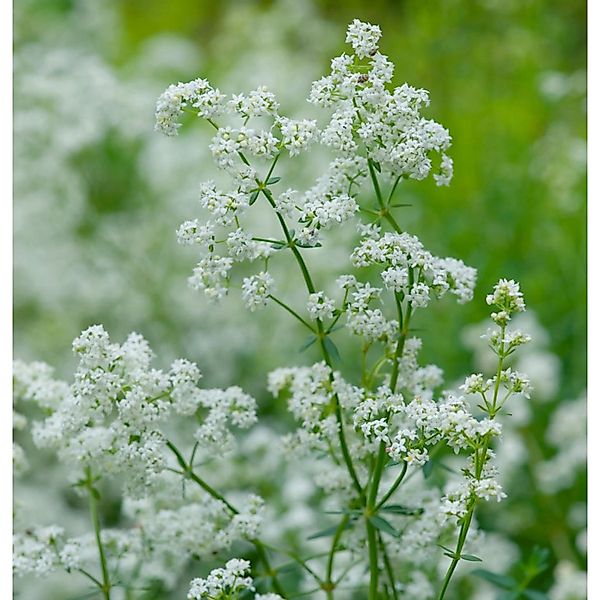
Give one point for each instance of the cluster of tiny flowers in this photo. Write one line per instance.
(37, 550)
(412, 271)
(320, 306)
(388, 124)
(480, 479)
(363, 319)
(459, 500)
(222, 583)
(199, 528)
(371, 127)
(197, 95)
(311, 392)
(257, 289)
(110, 418)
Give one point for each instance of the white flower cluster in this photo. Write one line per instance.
(256, 290)
(222, 583)
(388, 124)
(110, 418)
(197, 95)
(311, 391)
(200, 528)
(371, 128)
(37, 550)
(363, 319)
(474, 486)
(413, 271)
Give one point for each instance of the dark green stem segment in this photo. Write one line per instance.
(105, 586)
(329, 583)
(388, 567)
(260, 548)
(321, 334)
(462, 537)
(393, 487)
(480, 460)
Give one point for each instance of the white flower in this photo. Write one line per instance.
(297, 135)
(256, 290)
(197, 94)
(257, 103)
(363, 37)
(507, 296)
(320, 306)
(223, 582)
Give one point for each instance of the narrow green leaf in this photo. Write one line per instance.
(332, 349)
(399, 205)
(398, 509)
(428, 469)
(273, 180)
(471, 558)
(503, 581)
(253, 197)
(310, 340)
(383, 525)
(376, 166)
(329, 531)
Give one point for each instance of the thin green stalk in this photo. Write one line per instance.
(373, 562)
(393, 487)
(480, 460)
(385, 211)
(321, 335)
(330, 561)
(457, 553)
(298, 559)
(291, 311)
(388, 567)
(260, 548)
(105, 586)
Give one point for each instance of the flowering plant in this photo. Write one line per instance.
(369, 426)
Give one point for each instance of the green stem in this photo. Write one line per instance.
(321, 334)
(384, 212)
(336, 538)
(105, 586)
(373, 562)
(394, 487)
(291, 311)
(459, 548)
(388, 567)
(260, 548)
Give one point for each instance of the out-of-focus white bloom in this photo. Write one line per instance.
(570, 584)
(567, 434)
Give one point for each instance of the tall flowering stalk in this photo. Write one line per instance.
(374, 434)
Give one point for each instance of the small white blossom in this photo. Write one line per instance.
(256, 290)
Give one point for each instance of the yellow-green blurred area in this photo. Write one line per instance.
(99, 195)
